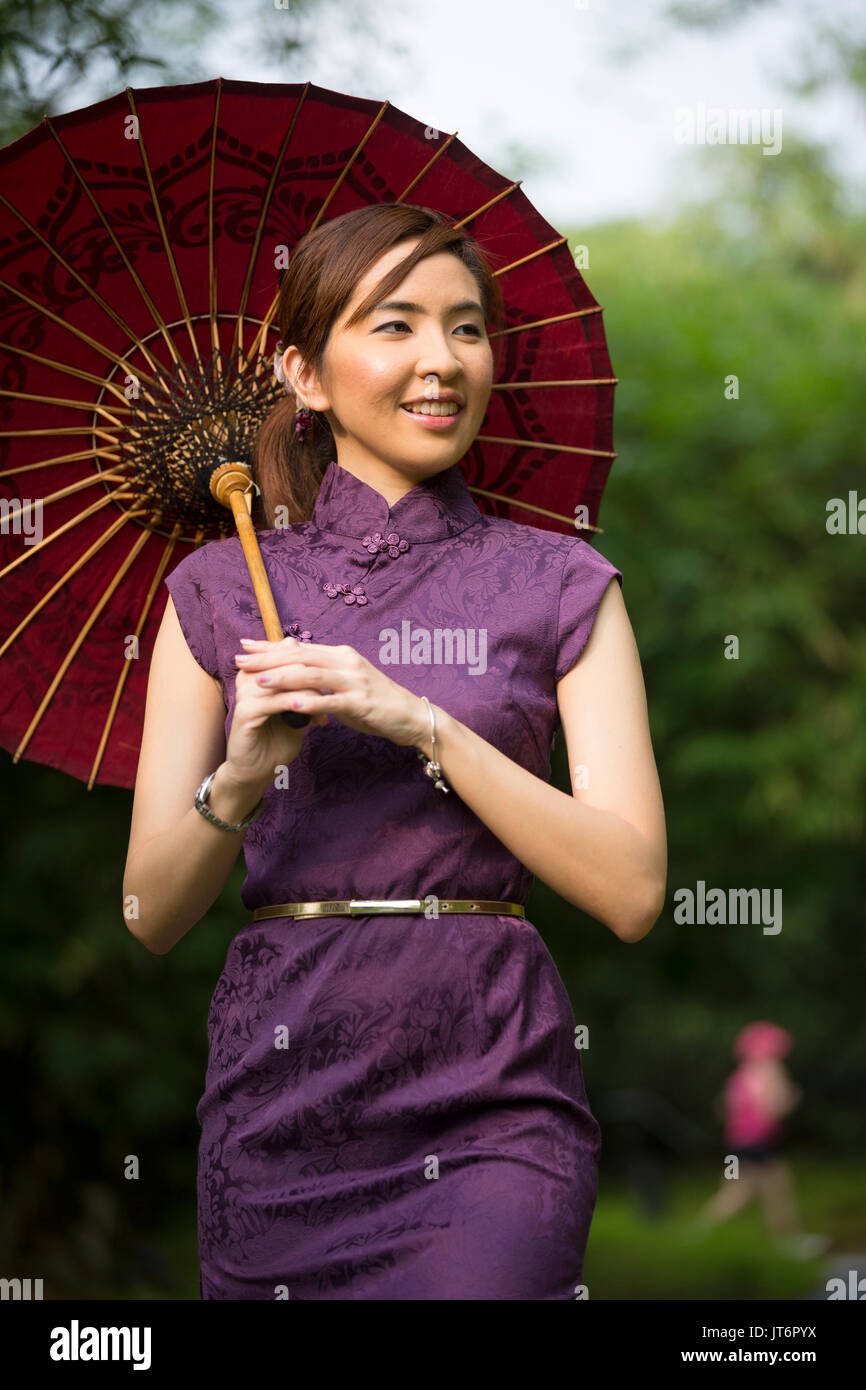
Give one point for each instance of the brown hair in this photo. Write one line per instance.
(325, 267)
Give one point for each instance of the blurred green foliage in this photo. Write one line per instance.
(715, 512)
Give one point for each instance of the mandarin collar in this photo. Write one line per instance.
(433, 510)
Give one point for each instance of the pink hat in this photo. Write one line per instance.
(758, 1041)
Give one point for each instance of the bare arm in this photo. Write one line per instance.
(604, 848)
(177, 862)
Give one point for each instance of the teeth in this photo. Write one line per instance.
(433, 408)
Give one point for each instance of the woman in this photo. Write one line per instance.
(756, 1098)
(394, 1104)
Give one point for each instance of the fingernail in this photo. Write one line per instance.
(247, 641)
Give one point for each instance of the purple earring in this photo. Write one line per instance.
(303, 420)
(304, 416)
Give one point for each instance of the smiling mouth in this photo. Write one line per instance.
(434, 409)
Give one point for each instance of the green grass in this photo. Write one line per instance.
(629, 1256)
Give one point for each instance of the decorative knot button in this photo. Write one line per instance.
(391, 543)
(355, 594)
(294, 630)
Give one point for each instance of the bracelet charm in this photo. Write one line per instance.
(431, 765)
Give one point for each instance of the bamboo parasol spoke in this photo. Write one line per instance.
(73, 273)
(237, 341)
(70, 327)
(546, 444)
(419, 176)
(166, 244)
(70, 404)
(68, 491)
(541, 251)
(542, 323)
(130, 267)
(531, 507)
(528, 385)
(88, 624)
(31, 550)
(125, 666)
(67, 368)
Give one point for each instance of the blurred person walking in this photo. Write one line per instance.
(757, 1096)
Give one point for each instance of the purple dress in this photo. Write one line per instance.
(394, 1105)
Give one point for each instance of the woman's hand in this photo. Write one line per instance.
(322, 680)
(259, 743)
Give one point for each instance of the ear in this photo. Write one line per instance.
(304, 381)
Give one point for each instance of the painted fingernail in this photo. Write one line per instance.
(263, 679)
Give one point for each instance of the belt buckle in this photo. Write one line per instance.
(358, 906)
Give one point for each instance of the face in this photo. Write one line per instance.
(430, 347)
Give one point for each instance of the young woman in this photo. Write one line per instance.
(757, 1097)
(394, 1104)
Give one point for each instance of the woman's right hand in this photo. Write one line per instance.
(260, 741)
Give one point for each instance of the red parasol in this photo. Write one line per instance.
(139, 245)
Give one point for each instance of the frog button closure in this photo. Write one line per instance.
(353, 594)
(294, 630)
(390, 544)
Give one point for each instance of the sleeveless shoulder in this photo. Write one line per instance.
(190, 592)
(584, 578)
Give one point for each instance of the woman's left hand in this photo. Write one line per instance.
(354, 691)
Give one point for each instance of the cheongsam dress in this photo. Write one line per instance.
(394, 1105)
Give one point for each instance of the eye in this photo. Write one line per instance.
(473, 327)
(394, 323)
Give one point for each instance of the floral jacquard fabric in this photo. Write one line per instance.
(394, 1106)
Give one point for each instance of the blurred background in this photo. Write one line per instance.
(711, 261)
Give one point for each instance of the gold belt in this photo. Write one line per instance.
(357, 907)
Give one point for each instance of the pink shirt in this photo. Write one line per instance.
(747, 1121)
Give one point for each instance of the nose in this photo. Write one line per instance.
(437, 359)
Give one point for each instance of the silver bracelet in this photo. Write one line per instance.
(201, 798)
(431, 766)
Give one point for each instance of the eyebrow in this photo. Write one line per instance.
(405, 306)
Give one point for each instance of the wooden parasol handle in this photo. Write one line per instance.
(230, 484)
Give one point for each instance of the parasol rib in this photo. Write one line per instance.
(66, 367)
(73, 273)
(491, 202)
(55, 429)
(126, 665)
(172, 265)
(75, 405)
(94, 507)
(419, 176)
(71, 328)
(77, 487)
(547, 444)
(211, 263)
(133, 273)
(86, 626)
(528, 385)
(257, 344)
(347, 166)
(237, 341)
(530, 507)
(541, 251)
(541, 323)
(69, 458)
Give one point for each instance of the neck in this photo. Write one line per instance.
(391, 482)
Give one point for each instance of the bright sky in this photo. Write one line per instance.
(549, 77)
